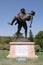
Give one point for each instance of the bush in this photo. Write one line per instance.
(19, 35)
(8, 40)
(4, 46)
(7, 48)
(39, 39)
(37, 48)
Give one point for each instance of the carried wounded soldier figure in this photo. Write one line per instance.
(21, 19)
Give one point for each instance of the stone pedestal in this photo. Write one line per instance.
(22, 50)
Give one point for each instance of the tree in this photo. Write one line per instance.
(39, 39)
(31, 38)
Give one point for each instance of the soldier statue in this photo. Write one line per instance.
(21, 19)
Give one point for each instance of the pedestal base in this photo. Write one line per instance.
(22, 50)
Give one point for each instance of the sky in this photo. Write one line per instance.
(10, 8)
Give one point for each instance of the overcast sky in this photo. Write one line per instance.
(10, 8)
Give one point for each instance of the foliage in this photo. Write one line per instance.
(8, 40)
(19, 35)
(37, 48)
(4, 46)
(4, 43)
(39, 39)
(5, 40)
(7, 48)
(31, 38)
(1, 40)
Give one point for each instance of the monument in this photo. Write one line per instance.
(22, 47)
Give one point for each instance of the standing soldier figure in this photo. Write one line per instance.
(20, 22)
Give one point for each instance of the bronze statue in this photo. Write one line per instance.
(21, 19)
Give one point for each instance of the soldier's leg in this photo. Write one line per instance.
(25, 27)
(19, 28)
(14, 19)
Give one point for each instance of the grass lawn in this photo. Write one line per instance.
(6, 61)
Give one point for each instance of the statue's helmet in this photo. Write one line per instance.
(32, 12)
(22, 10)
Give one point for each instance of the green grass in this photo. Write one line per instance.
(6, 61)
